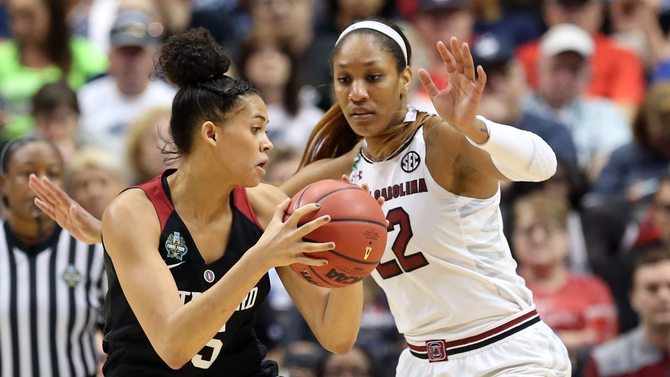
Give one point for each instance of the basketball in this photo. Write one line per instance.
(357, 226)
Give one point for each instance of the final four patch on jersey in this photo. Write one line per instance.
(71, 276)
(410, 161)
(176, 246)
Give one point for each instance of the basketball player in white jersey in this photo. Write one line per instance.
(447, 270)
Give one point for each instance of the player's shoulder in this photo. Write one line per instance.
(131, 208)
(264, 199)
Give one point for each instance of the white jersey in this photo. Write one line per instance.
(447, 271)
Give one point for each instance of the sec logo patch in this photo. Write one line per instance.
(410, 162)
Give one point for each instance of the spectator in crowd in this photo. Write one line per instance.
(56, 112)
(597, 125)
(301, 358)
(616, 73)
(270, 66)
(342, 13)
(635, 168)
(110, 104)
(579, 308)
(653, 233)
(439, 20)
(227, 20)
(59, 281)
(148, 145)
(359, 362)
(642, 352)
(41, 52)
(505, 87)
(293, 20)
(4, 21)
(94, 179)
(515, 27)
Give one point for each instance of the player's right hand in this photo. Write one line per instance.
(65, 211)
(282, 244)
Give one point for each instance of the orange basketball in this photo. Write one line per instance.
(357, 226)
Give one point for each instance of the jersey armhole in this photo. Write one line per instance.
(241, 202)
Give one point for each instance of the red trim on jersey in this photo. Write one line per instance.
(156, 193)
(484, 335)
(241, 201)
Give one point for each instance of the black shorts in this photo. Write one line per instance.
(269, 368)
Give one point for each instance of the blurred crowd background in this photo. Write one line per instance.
(591, 77)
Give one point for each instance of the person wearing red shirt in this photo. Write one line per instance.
(579, 308)
(642, 352)
(616, 73)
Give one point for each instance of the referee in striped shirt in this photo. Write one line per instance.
(51, 286)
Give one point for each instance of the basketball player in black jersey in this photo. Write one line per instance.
(187, 254)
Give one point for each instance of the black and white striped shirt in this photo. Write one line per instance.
(50, 301)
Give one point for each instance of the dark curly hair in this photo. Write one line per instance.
(198, 65)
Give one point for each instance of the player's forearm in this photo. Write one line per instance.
(342, 318)
(189, 328)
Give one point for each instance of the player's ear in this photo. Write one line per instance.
(208, 132)
(406, 81)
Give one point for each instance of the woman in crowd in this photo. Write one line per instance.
(41, 52)
(51, 285)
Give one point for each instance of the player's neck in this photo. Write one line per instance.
(197, 194)
(658, 336)
(546, 278)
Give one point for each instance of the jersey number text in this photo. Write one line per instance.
(402, 263)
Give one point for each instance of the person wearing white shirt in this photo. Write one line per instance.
(110, 104)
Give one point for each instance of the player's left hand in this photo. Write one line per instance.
(458, 103)
(365, 187)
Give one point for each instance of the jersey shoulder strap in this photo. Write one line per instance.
(156, 194)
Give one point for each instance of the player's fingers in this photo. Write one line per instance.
(311, 226)
(311, 261)
(428, 83)
(55, 192)
(301, 212)
(346, 178)
(447, 57)
(365, 186)
(39, 189)
(46, 208)
(468, 63)
(381, 201)
(481, 81)
(313, 247)
(457, 53)
(281, 209)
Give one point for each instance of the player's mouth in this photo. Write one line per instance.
(262, 165)
(362, 113)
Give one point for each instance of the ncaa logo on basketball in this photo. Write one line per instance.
(437, 350)
(410, 162)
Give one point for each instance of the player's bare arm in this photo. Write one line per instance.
(131, 231)
(473, 167)
(329, 168)
(333, 315)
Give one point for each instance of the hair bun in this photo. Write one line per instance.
(192, 57)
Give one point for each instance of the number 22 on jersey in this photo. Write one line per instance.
(401, 263)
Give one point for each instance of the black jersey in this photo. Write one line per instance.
(234, 351)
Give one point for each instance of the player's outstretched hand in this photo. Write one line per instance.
(282, 244)
(458, 103)
(65, 211)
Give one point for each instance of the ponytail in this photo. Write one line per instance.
(331, 138)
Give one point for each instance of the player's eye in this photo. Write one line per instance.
(343, 80)
(374, 77)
